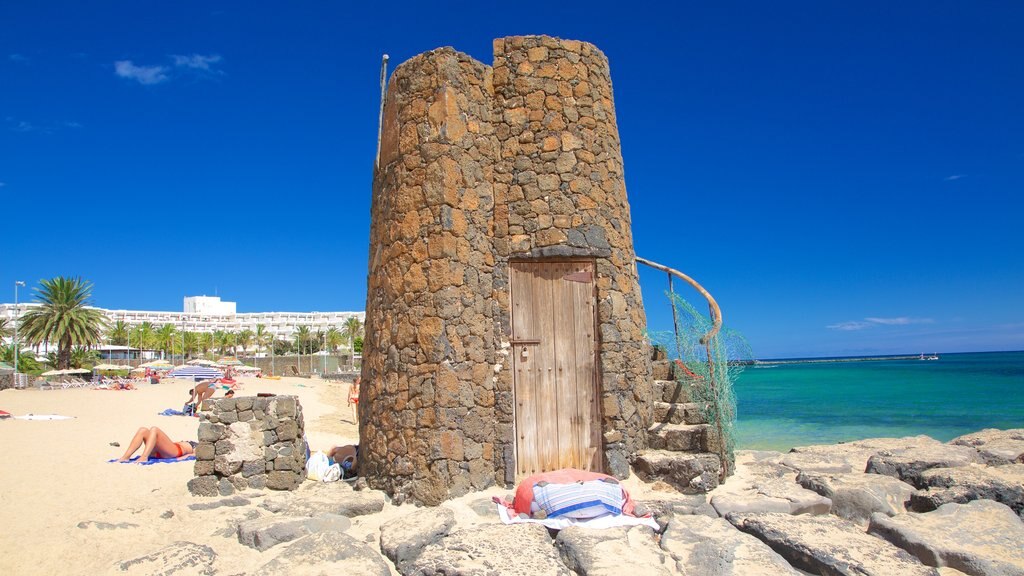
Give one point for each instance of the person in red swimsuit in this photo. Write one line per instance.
(157, 445)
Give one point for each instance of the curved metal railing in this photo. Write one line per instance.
(716, 312)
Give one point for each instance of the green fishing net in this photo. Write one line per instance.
(709, 367)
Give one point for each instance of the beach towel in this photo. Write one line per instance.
(4, 414)
(524, 499)
(172, 412)
(43, 417)
(599, 523)
(155, 460)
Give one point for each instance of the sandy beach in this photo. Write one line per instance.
(66, 510)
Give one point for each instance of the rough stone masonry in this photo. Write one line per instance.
(249, 442)
(480, 168)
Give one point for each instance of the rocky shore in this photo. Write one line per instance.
(881, 506)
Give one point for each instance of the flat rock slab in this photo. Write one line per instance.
(907, 464)
(328, 498)
(326, 553)
(849, 456)
(687, 473)
(233, 501)
(995, 446)
(856, 497)
(402, 539)
(184, 558)
(782, 495)
(713, 547)
(265, 533)
(1004, 484)
(490, 549)
(979, 538)
(602, 552)
(829, 545)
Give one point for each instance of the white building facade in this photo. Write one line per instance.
(209, 314)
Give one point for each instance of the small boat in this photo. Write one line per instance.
(931, 357)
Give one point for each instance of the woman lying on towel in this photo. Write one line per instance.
(157, 445)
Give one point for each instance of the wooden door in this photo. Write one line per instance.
(554, 360)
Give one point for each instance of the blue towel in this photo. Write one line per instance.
(157, 460)
(171, 412)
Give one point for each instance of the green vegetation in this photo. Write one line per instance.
(63, 318)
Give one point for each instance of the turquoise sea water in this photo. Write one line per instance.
(786, 405)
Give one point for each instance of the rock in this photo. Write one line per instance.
(979, 538)
(265, 533)
(849, 456)
(106, 525)
(688, 473)
(517, 549)
(764, 490)
(233, 501)
(1004, 484)
(402, 539)
(186, 558)
(856, 497)
(601, 552)
(829, 545)
(326, 553)
(995, 446)
(907, 464)
(326, 498)
(204, 486)
(712, 547)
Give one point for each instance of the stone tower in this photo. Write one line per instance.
(504, 322)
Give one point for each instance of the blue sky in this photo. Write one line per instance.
(845, 178)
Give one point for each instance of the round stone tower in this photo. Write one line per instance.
(504, 323)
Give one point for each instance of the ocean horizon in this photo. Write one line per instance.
(787, 402)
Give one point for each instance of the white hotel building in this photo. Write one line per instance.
(210, 313)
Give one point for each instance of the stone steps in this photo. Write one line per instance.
(673, 392)
(678, 413)
(690, 473)
(682, 437)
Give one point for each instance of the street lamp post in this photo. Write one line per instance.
(17, 316)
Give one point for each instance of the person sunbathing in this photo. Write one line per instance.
(157, 445)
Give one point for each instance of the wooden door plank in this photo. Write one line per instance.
(589, 429)
(523, 327)
(546, 281)
(566, 369)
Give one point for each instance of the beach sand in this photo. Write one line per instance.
(65, 509)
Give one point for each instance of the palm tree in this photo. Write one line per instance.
(144, 336)
(245, 338)
(302, 334)
(164, 338)
(260, 336)
(220, 341)
(352, 329)
(27, 362)
(334, 339)
(63, 317)
(118, 333)
(6, 328)
(206, 342)
(82, 356)
(192, 342)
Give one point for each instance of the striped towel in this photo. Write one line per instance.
(588, 499)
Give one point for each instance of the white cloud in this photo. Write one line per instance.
(143, 74)
(954, 177)
(851, 325)
(195, 61)
(872, 322)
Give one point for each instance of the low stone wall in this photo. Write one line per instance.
(249, 442)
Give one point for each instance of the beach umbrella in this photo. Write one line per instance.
(77, 371)
(157, 364)
(109, 367)
(229, 361)
(195, 373)
(244, 368)
(5, 366)
(202, 362)
(53, 373)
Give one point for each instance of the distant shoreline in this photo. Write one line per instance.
(833, 360)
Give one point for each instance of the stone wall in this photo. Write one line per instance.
(479, 167)
(249, 442)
